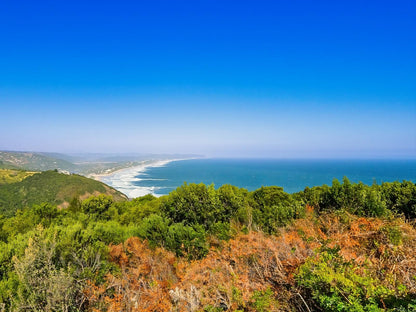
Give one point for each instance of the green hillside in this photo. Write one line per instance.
(52, 187)
(11, 175)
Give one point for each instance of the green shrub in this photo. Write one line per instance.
(394, 234)
(221, 230)
(155, 229)
(109, 232)
(183, 240)
(273, 208)
(187, 241)
(97, 206)
(339, 285)
(194, 204)
(263, 300)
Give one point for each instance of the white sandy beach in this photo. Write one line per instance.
(122, 180)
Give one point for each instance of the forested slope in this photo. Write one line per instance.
(51, 187)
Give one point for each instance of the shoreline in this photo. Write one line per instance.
(121, 179)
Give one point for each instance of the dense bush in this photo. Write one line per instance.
(184, 240)
(273, 208)
(337, 285)
(194, 204)
(364, 200)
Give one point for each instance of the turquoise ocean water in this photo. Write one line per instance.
(292, 175)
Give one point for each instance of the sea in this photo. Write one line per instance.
(251, 174)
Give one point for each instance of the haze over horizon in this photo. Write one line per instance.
(223, 79)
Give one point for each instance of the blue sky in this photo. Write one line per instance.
(220, 78)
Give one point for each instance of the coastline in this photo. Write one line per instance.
(251, 174)
(122, 179)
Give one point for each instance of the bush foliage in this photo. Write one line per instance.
(344, 247)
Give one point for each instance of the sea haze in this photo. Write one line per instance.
(292, 175)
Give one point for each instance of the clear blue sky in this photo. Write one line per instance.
(220, 78)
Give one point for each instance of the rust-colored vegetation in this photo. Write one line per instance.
(258, 272)
(143, 283)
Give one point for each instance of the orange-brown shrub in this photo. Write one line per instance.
(234, 271)
(143, 284)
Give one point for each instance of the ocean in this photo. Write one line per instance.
(292, 175)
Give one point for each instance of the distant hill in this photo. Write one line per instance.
(33, 161)
(52, 187)
(7, 165)
(85, 164)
